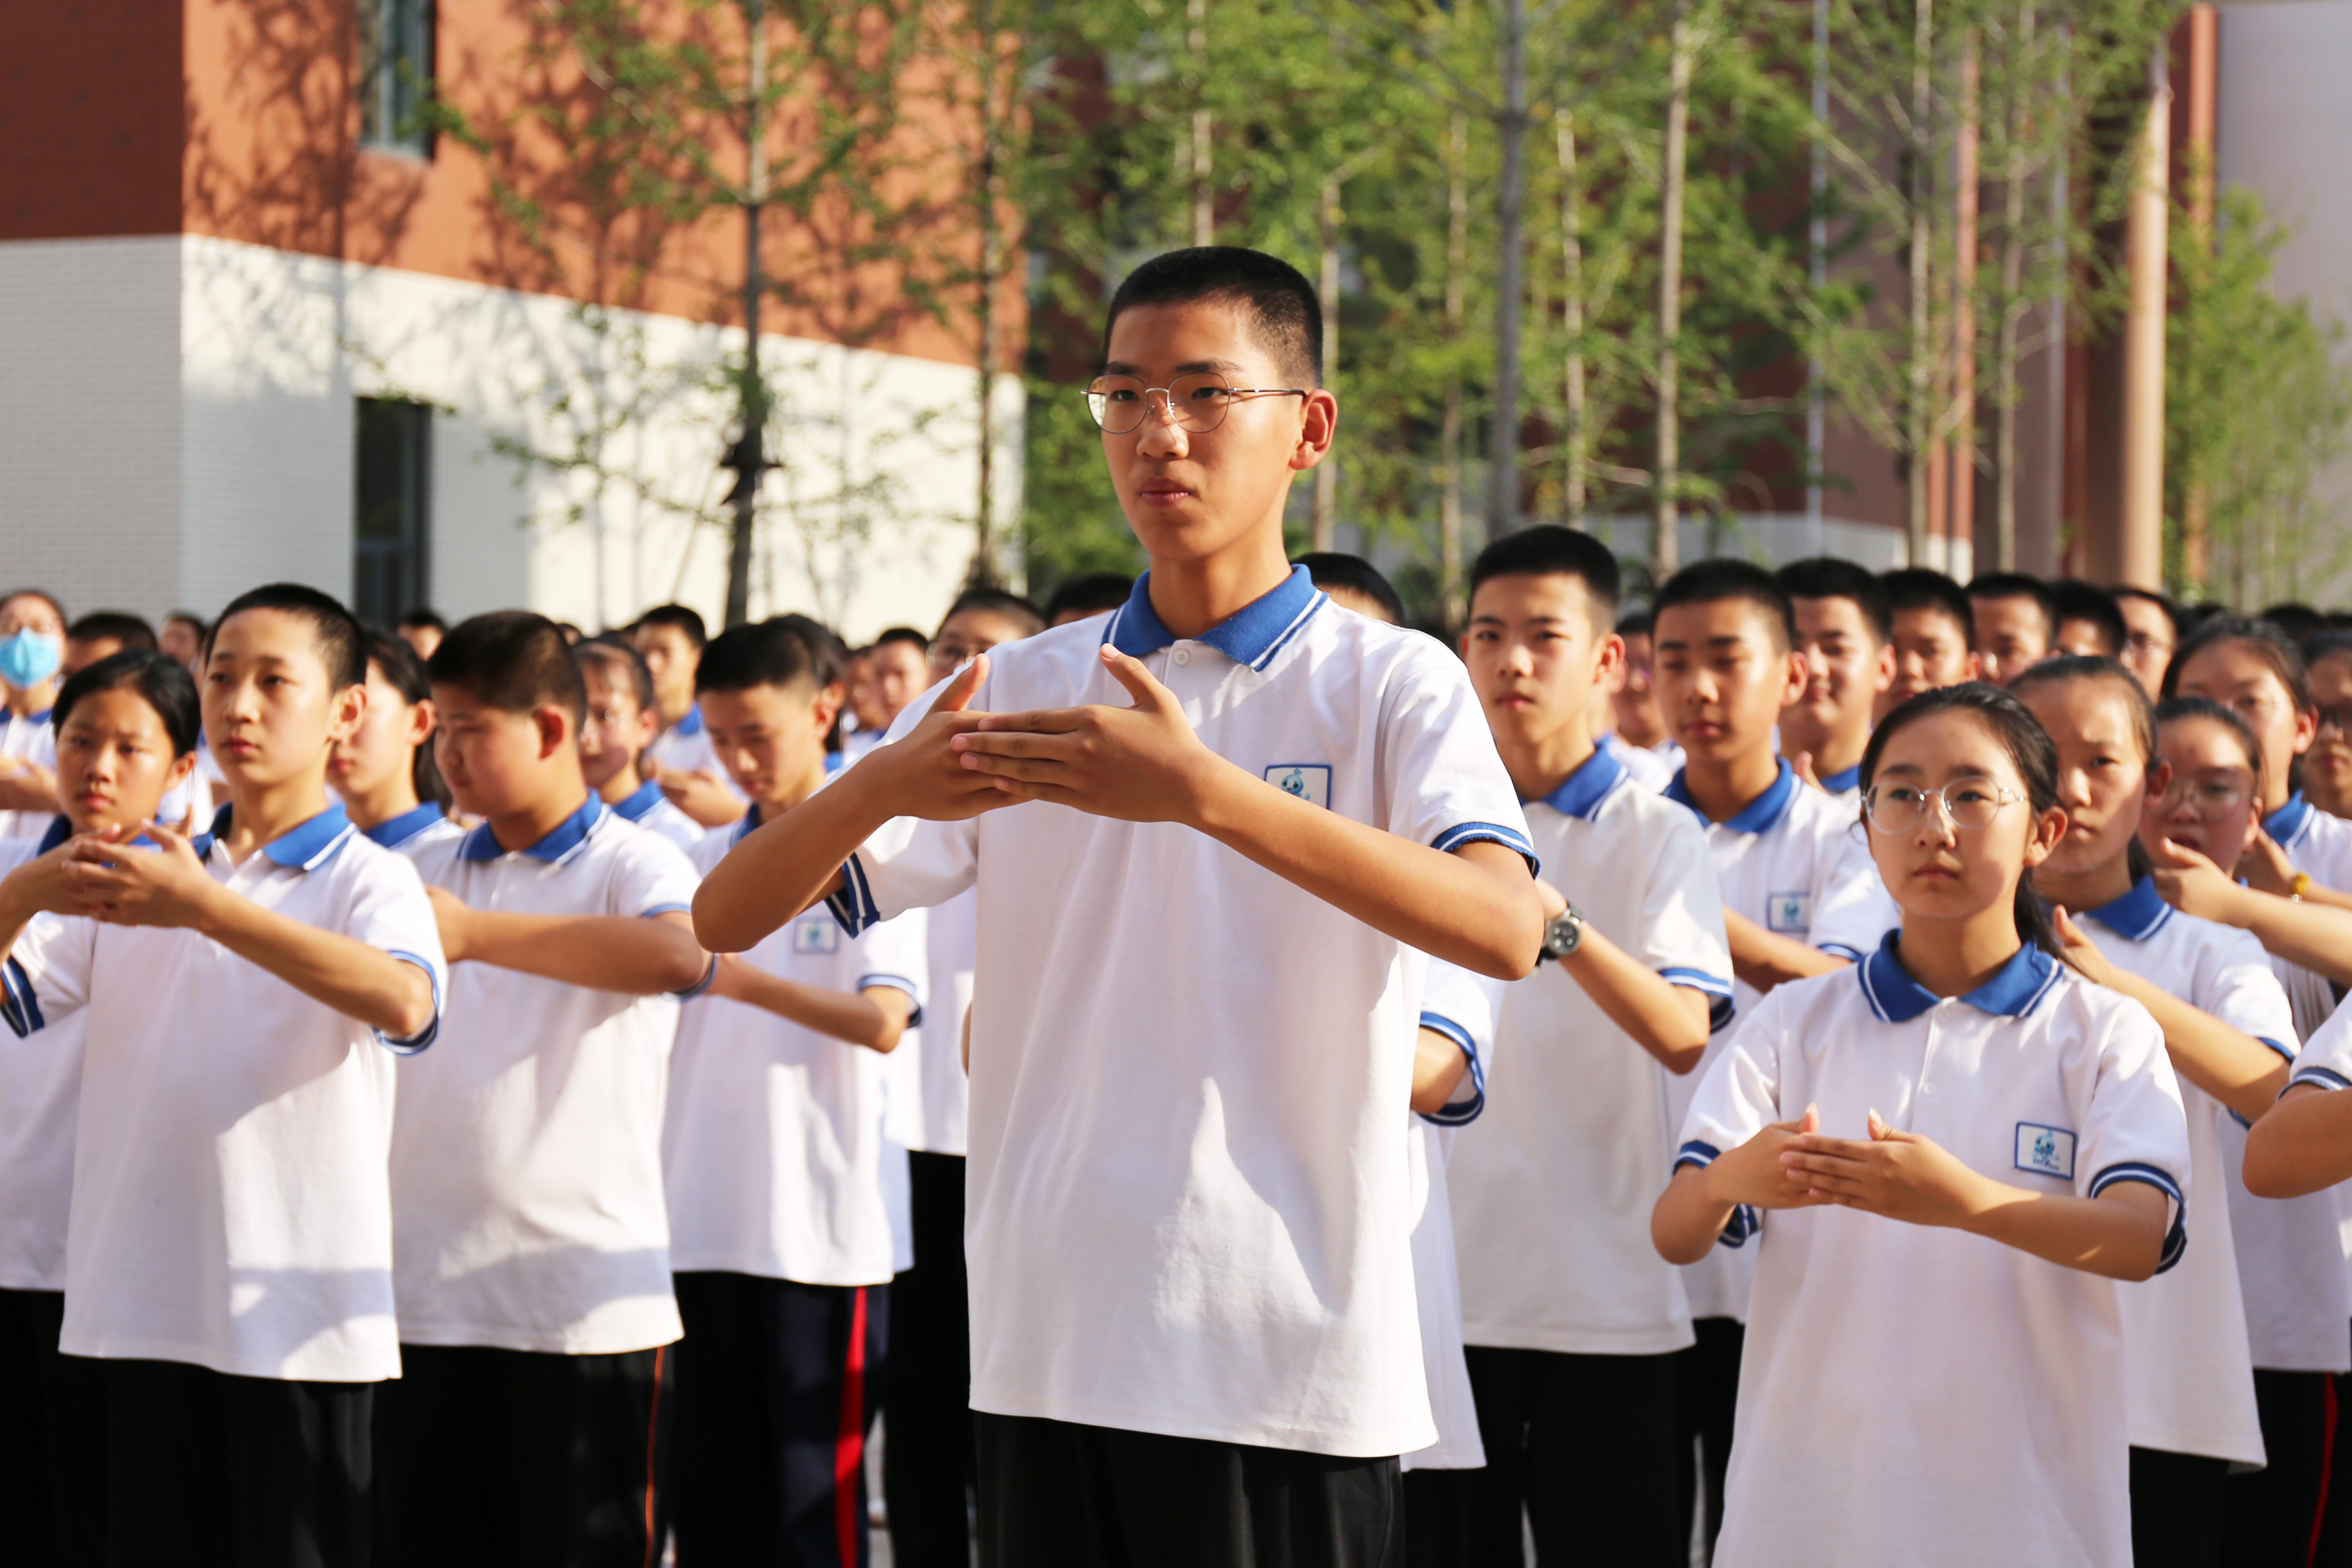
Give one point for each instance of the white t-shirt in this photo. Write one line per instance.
(1797, 865)
(414, 829)
(1553, 1194)
(40, 1096)
(1650, 769)
(32, 738)
(2313, 841)
(526, 1157)
(1844, 789)
(930, 1098)
(773, 1151)
(230, 1203)
(2192, 1382)
(1188, 1203)
(1915, 1395)
(651, 810)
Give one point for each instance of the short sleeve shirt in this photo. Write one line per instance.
(1150, 1070)
(231, 1207)
(651, 810)
(2313, 841)
(526, 1157)
(40, 1096)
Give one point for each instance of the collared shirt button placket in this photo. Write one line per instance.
(1182, 656)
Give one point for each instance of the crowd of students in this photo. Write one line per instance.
(1839, 1067)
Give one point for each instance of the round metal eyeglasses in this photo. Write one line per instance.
(1969, 804)
(2215, 800)
(1196, 403)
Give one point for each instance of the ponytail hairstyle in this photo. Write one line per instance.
(2229, 718)
(2031, 751)
(405, 673)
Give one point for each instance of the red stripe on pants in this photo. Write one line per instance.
(2326, 1470)
(849, 1446)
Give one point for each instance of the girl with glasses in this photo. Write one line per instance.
(2327, 766)
(1870, 1130)
(2230, 1034)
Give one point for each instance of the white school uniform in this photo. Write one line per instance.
(1553, 1194)
(1912, 1393)
(685, 747)
(1460, 1006)
(27, 737)
(40, 1096)
(2313, 841)
(231, 1206)
(526, 1156)
(1797, 865)
(930, 1098)
(2192, 1382)
(773, 1151)
(1648, 769)
(414, 829)
(1844, 789)
(651, 810)
(1191, 1064)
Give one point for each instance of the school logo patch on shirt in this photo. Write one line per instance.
(818, 933)
(1789, 912)
(2045, 1150)
(1310, 782)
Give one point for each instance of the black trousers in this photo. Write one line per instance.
(2270, 1516)
(2334, 1547)
(52, 1437)
(1441, 1518)
(778, 1383)
(509, 1458)
(1707, 1399)
(1055, 1494)
(2177, 1510)
(928, 1462)
(1587, 1446)
(205, 1469)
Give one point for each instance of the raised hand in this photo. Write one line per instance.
(2191, 883)
(2078, 951)
(1898, 1174)
(2265, 865)
(1142, 764)
(921, 773)
(1756, 1174)
(127, 884)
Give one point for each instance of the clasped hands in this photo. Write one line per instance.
(104, 875)
(1901, 1176)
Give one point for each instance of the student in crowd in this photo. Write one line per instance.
(1799, 895)
(1571, 1316)
(32, 653)
(884, 679)
(127, 735)
(229, 1255)
(773, 1157)
(1227, 1360)
(2090, 622)
(2229, 1035)
(383, 770)
(1868, 1131)
(183, 638)
(1636, 716)
(1845, 630)
(2299, 621)
(2328, 766)
(981, 618)
(2152, 631)
(621, 725)
(670, 638)
(530, 1237)
(1934, 633)
(1087, 595)
(422, 630)
(2016, 620)
(101, 634)
(1353, 583)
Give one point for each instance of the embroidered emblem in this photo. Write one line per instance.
(1789, 912)
(818, 933)
(2045, 1150)
(1310, 782)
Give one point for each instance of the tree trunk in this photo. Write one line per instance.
(2012, 302)
(1457, 260)
(749, 458)
(1960, 518)
(1918, 414)
(1665, 546)
(1510, 286)
(1572, 272)
(983, 572)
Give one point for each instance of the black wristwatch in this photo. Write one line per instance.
(1561, 934)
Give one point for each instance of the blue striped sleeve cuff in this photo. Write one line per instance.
(897, 983)
(1840, 950)
(666, 910)
(1716, 990)
(1458, 1113)
(1462, 833)
(18, 1004)
(702, 987)
(2315, 1075)
(423, 1037)
(1746, 1220)
(853, 906)
(2176, 1241)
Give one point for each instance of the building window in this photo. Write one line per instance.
(396, 81)
(392, 518)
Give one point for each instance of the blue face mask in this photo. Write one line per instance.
(30, 658)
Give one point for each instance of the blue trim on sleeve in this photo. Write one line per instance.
(897, 983)
(666, 910)
(709, 978)
(1745, 1222)
(2176, 1241)
(1462, 833)
(1840, 950)
(1458, 1113)
(2273, 1045)
(853, 906)
(19, 1005)
(432, 1031)
(1695, 1153)
(1720, 1007)
(2315, 1075)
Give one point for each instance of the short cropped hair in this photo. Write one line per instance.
(512, 661)
(163, 681)
(2172, 611)
(902, 633)
(1636, 623)
(431, 619)
(2016, 585)
(764, 653)
(619, 663)
(2079, 601)
(1089, 593)
(1547, 549)
(1352, 574)
(997, 601)
(342, 646)
(1827, 577)
(1276, 297)
(683, 617)
(120, 626)
(1725, 577)
(1925, 588)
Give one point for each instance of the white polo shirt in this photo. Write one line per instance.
(1188, 1208)
(930, 1098)
(1844, 789)
(1799, 866)
(230, 1202)
(31, 738)
(1912, 1393)
(651, 810)
(773, 1151)
(1649, 770)
(526, 1157)
(2313, 841)
(414, 829)
(1579, 1115)
(1460, 1006)
(40, 1095)
(2192, 1382)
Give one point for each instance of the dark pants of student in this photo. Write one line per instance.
(1586, 1445)
(927, 1458)
(2335, 1544)
(1441, 1518)
(778, 1385)
(205, 1469)
(52, 1437)
(2271, 1515)
(2177, 1510)
(1706, 1397)
(1056, 1494)
(509, 1458)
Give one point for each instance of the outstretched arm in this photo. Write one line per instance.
(2302, 930)
(1765, 959)
(2227, 1063)
(1701, 1199)
(654, 956)
(874, 1017)
(2301, 1144)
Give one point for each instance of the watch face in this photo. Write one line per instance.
(1560, 936)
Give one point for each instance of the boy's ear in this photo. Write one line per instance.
(556, 729)
(2159, 777)
(827, 706)
(345, 710)
(1322, 421)
(1609, 669)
